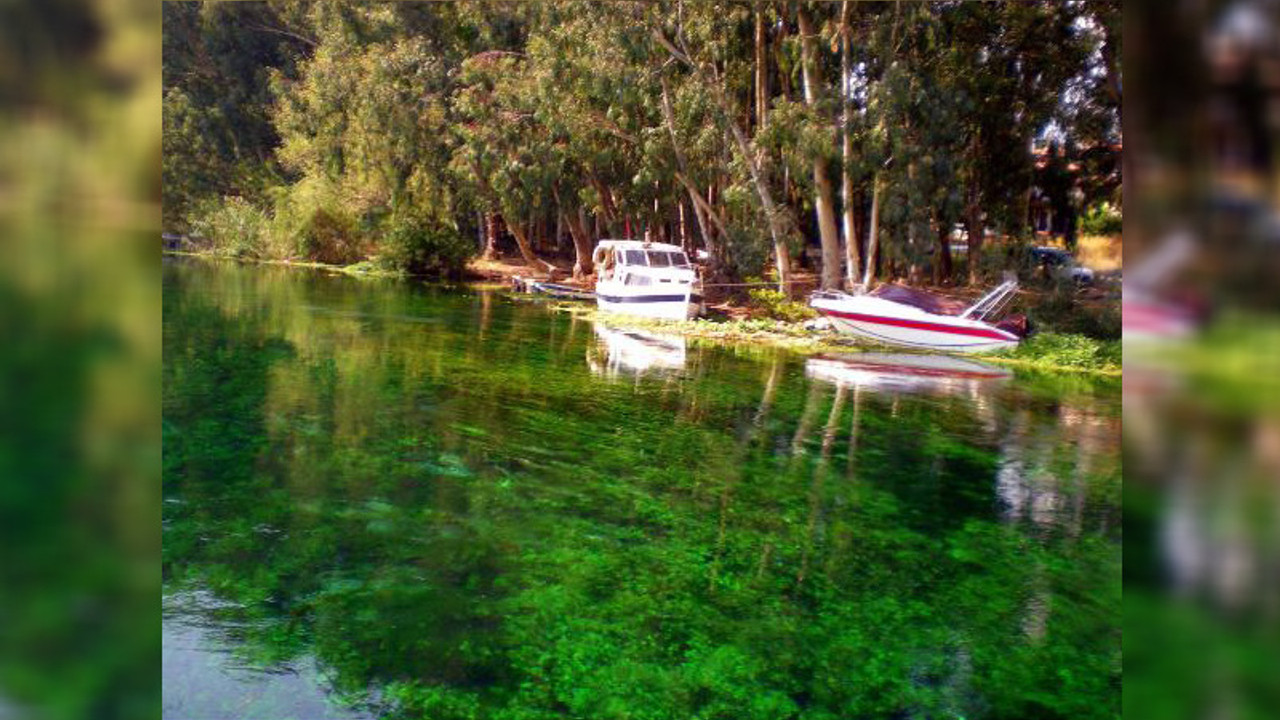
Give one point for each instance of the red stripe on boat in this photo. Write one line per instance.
(920, 325)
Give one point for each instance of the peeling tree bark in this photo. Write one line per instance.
(823, 202)
(873, 237)
(583, 265)
(851, 239)
(762, 74)
(491, 236)
(576, 220)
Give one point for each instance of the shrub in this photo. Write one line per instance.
(1061, 310)
(1070, 351)
(779, 307)
(1102, 219)
(329, 237)
(312, 223)
(423, 247)
(231, 226)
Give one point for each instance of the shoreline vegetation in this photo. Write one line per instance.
(786, 145)
(1051, 350)
(446, 140)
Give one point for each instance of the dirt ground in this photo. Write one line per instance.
(1101, 254)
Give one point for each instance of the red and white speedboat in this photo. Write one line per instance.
(898, 315)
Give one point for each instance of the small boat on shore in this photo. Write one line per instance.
(898, 315)
(648, 279)
(557, 290)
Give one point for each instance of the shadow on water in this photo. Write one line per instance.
(457, 504)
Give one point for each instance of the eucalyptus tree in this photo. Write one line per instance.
(590, 88)
(502, 148)
(218, 136)
(823, 193)
(1011, 64)
(366, 122)
(702, 40)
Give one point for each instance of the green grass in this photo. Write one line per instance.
(1053, 351)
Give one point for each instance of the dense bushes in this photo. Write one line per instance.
(778, 306)
(423, 247)
(310, 224)
(231, 226)
(1069, 351)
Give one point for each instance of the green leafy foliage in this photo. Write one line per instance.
(1102, 219)
(1069, 351)
(778, 306)
(423, 247)
(233, 227)
(658, 119)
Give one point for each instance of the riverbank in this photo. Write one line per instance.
(1052, 351)
(1059, 352)
(360, 269)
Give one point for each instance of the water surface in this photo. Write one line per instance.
(384, 499)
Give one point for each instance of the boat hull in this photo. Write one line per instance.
(890, 323)
(673, 306)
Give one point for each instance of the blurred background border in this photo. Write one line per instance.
(79, 364)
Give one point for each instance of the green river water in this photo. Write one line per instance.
(390, 500)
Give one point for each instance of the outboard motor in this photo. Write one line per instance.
(1018, 324)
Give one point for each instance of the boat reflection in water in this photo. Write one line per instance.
(627, 351)
(906, 372)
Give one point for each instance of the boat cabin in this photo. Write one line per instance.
(646, 278)
(632, 262)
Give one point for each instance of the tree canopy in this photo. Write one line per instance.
(752, 130)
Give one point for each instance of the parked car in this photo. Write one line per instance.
(1060, 264)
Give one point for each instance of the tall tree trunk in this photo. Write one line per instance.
(773, 214)
(582, 248)
(822, 202)
(491, 236)
(851, 235)
(976, 232)
(762, 74)
(608, 211)
(683, 229)
(576, 219)
(873, 237)
(944, 252)
(526, 249)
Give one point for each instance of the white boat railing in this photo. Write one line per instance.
(993, 302)
(828, 295)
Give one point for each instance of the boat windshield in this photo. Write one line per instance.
(635, 257)
(663, 258)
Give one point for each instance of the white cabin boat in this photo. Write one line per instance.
(646, 278)
(897, 315)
